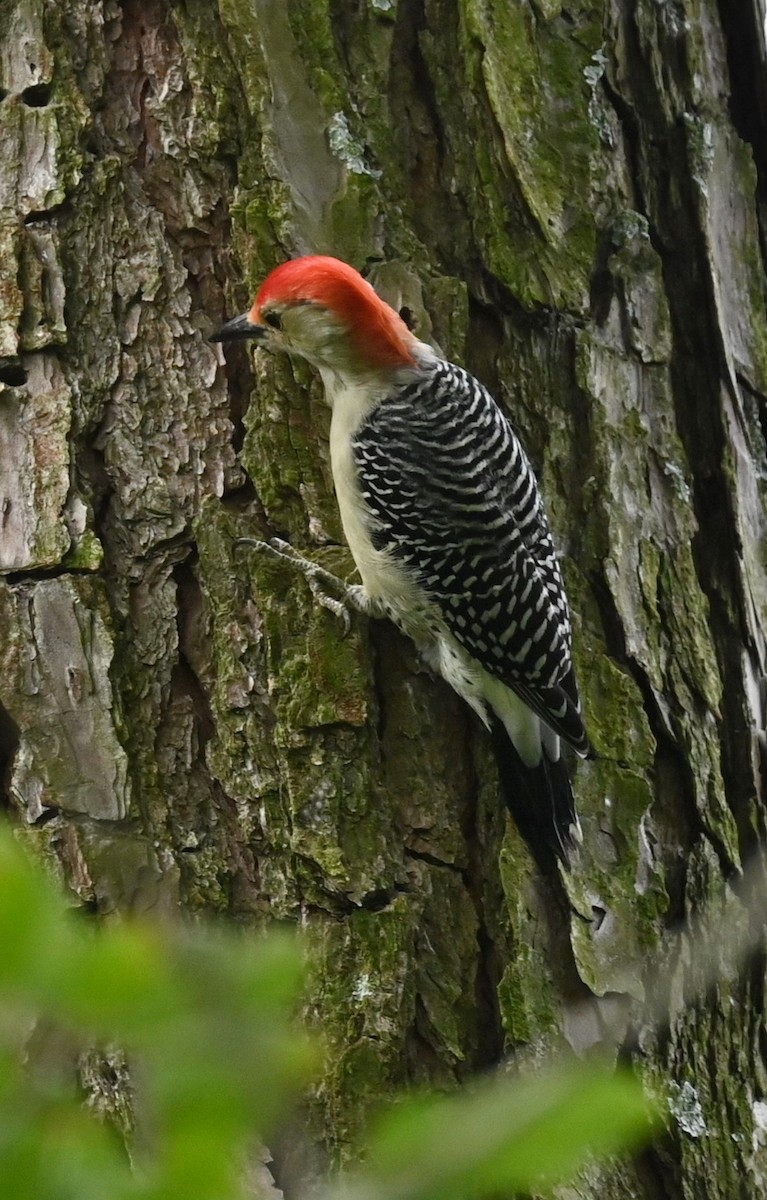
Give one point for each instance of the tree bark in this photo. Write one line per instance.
(568, 201)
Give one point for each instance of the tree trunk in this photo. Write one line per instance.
(565, 200)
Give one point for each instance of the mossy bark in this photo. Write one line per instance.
(566, 200)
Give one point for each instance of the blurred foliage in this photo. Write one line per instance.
(206, 1020)
(203, 1017)
(509, 1133)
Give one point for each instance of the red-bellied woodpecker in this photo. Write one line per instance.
(443, 517)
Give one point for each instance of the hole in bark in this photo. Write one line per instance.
(379, 899)
(241, 497)
(407, 317)
(37, 96)
(9, 744)
(599, 916)
(3, 93)
(46, 816)
(13, 376)
(185, 679)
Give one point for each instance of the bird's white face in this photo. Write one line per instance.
(312, 332)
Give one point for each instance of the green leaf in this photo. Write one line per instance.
(509, 1133)
(34, 929)
(206, 1019)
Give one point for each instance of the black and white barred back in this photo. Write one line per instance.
(454, 499)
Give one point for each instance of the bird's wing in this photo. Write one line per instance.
(453, 498)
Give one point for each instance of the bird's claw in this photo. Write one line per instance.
(337, 607)
(316, 576)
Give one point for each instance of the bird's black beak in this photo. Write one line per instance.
(237, 330)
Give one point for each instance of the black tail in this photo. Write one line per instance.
(540, 799)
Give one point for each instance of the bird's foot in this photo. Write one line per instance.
(320, 581)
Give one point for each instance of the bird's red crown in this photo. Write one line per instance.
(379, 333)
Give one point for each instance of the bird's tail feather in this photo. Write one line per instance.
(540, 799)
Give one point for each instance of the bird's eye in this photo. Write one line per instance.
(274, 319)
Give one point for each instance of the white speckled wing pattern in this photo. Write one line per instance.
(454, 500)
